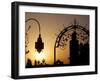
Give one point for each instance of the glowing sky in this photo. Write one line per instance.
(51, 25)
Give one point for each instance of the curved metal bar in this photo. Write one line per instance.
(36, 21)
(38, 26)
(69, 28)
(65, 30)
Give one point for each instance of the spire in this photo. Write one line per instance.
(75, 25)
(75, 22)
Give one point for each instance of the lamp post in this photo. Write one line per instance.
(39, 45)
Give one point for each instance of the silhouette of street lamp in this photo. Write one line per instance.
(39, 45)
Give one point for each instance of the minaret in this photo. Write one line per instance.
(74, 50)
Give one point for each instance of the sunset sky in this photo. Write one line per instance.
(51, 25)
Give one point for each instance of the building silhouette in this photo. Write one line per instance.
(84, 54)
(74, 47)
(79, 53)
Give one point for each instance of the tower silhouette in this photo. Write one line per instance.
(74, 50)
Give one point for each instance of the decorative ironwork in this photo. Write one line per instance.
(66, 34)
(39, 45)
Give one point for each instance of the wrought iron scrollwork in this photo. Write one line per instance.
(65, 35)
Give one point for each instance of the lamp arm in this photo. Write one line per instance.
(35, 21)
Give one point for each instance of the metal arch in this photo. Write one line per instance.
(69, 28)
(62, 33)
(36, 21)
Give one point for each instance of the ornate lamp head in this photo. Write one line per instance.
(39, 45)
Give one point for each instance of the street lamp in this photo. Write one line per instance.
(39, 45)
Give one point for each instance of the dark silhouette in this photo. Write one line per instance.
(39, 45)
(29, 64)
(74, 50)
(35, 63)
(38, 62)
(43, 60)
(79, 54)
(84, 54)
(58, 62)
(27, 52)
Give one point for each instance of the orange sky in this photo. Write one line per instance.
(51, 25)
